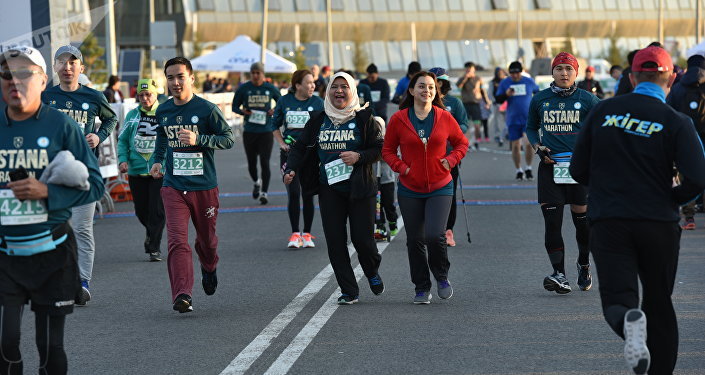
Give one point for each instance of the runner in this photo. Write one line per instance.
(497, 118)
(403, 84)
(135, 148)
(421, 129)
(688, 96)
(471, 92)
(555, 117)
(457, 109)
(82, 104)
(591, 85)
(255, 97)
(38, 249)
(379, 91)
(625, 152)
(190, 129)
(517, 90)
(385, 210)
(293, 112)
(346, 143)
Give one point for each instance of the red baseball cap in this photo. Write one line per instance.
(652, 54)
(590, 69)
(565, 58)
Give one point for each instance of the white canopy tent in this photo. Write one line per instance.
(238, 55)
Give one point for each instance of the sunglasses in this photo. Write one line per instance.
(19, 74)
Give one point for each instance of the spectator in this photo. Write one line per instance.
(112, 92)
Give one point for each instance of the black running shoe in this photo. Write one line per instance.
(529, 175)
(155, 256)
(346, 299)
(376, 284)
(263, 198)
(556, 283)
(209, 281)
(584, 277)
(520, 176)
(182, 303)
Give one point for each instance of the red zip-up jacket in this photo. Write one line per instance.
(426, 173)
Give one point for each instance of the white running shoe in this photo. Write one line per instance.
(295, 241)
(636, 353)
(308, 240)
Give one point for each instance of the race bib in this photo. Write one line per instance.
(337, 171)
(561, 174)
(16, 212)
(144, 144)
(296, 119)
(258, 117)
(376, 96)
(519, 89)
(188, 164)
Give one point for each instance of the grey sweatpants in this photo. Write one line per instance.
(82, 224)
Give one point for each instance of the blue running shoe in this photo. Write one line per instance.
(422, 298)
(84, 295)
(376, 284)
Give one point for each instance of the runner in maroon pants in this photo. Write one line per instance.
(190, 129)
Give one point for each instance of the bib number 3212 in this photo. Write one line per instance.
(561, 174)
(188, 164)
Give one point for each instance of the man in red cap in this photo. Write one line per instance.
(590, 84)
(555, 117)
(625, 152)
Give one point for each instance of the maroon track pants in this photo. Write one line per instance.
(202, 208)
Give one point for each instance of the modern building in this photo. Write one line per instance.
(447, 32)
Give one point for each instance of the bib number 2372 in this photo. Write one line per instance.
(337, 171)
(188, 164)
(561, 174)
(16, 212)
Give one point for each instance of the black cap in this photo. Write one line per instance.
(414, 67)
(516, 67)
(696, 61)
(372, 68)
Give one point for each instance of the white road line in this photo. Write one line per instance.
(291, 354)
(264, 339)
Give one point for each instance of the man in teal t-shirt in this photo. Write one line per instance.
(83, 104)
(190, 129)
(555, 117)
(254, 101)
(46, 168)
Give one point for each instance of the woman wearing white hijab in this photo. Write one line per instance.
(333, 157)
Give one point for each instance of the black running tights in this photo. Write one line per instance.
(50, 341)
(258, 144)
(293, 191)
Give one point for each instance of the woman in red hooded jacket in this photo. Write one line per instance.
(421, 130)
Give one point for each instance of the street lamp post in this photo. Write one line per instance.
(265, 15)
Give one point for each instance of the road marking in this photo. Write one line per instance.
(291, 354)
(272, 208)
(254, 349)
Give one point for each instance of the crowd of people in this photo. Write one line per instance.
(336, 140)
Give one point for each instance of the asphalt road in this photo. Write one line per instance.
(274, 313)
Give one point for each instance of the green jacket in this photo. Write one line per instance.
(137, 163)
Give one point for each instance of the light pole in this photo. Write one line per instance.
(329, 25)
(265, 15)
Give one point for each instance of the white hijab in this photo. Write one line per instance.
(341, 116)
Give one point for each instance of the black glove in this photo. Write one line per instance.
(543, 152)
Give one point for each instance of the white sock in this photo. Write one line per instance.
(519, 170)
(527, 168)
